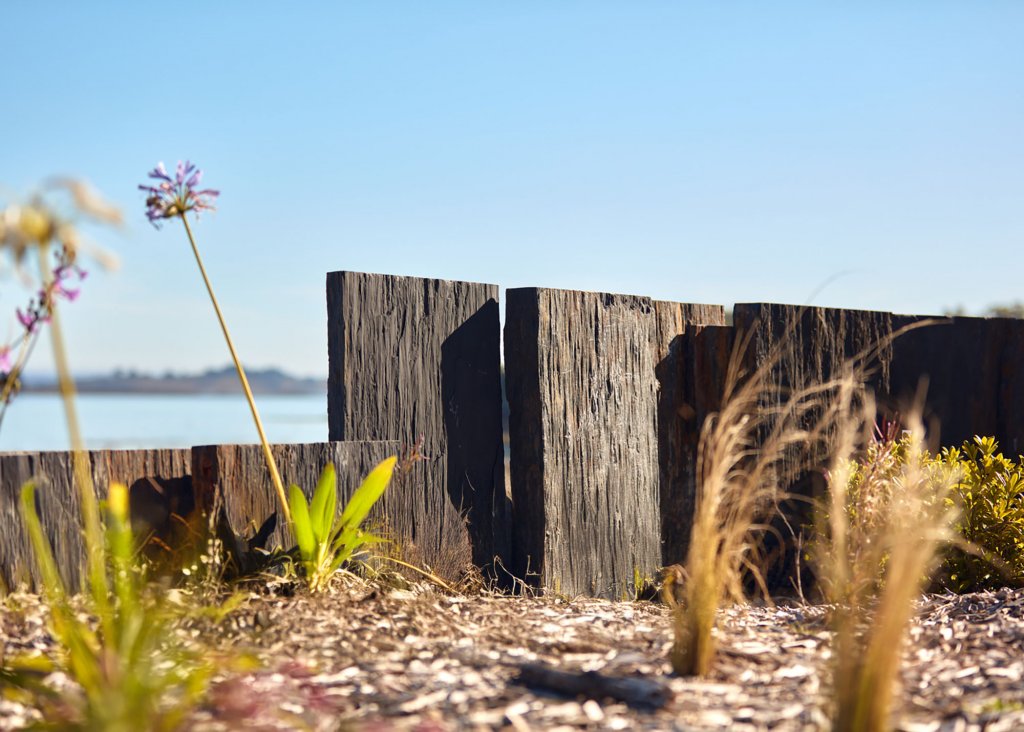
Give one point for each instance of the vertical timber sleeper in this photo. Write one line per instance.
(412, 357)
(582, 425)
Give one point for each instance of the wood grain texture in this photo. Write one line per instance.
(808, 345)
(678, 420)
(802, 347)
(1010, 400)
(237, 475)
(958, 364)
(583, 432)
(412, 357)
(691, 379)
(59, 504)
(805, 346)
(17, 567)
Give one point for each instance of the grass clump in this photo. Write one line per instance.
(132, 672)
(756, 444)
(879, 539)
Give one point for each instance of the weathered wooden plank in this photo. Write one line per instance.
(59, 503)
(700, 381)
(807, 346)
(159, 489)
(237, 475)
(958, 362)
(1010, 401)
(798, 348)
(678, 420)
(17, 567)
(411, 358)
(583, 431)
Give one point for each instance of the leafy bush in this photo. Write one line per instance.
(991, 497)
(989, 491)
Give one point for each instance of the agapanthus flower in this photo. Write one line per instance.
(40, 308)
(169, 197)
(28, 318)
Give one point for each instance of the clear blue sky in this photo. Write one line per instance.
(704, 152)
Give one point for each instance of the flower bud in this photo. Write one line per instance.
(34, 224)
(117, 501)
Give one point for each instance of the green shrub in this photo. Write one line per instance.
(989, 491)
(991, 497)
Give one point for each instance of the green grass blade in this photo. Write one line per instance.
(121, 546)
(76, 638)
(325, 503)
(303, 527)
(52, 583)
(368, 493)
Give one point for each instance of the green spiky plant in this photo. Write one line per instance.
(326, 540)
(132, 672)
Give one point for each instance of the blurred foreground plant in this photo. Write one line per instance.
(878, 541)
(46, 227)
(326, 541)
(132, 671)
(174, 197)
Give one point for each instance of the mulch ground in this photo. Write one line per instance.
(366, 658)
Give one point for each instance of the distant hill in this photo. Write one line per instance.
(213, 381)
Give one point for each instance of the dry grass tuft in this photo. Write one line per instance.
(757, 444)
(875, 551)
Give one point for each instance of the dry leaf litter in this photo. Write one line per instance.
(375, 659)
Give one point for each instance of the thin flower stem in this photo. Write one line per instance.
(271, 464)
(28, 342)
(80, 460)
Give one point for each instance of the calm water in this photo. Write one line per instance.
(36, 421)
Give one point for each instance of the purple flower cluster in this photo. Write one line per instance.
(40, 308)
(169, 197)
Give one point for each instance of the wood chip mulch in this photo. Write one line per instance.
(374, 659)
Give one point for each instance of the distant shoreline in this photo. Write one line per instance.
(217, 381)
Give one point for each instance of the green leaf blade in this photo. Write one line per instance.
(372, 488)
(325, 503)
(303, 527)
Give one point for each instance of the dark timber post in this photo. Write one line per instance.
(583, 409)
(411, 357)
(681, 412)
(960, 363)
(802, 347)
